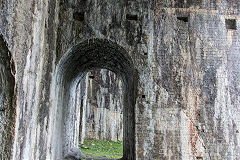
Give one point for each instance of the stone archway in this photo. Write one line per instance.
(90, 54)
(7, 101)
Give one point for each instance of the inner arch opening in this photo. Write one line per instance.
(88, 55)
(99, 97)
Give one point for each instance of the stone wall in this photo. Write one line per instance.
(178, 59)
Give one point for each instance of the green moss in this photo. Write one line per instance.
(102, 148)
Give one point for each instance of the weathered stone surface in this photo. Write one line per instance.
(181, 78)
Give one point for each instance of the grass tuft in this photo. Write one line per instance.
(102, 148)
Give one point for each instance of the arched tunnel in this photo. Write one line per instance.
(91, 54)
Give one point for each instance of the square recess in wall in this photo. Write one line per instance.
(91, 77)
(184, 19)
(231, 24)
(131, 17)
(78, 16)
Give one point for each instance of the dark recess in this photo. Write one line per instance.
(131, 17)
(79, 16)
(231, 24)
(184, 19)
(143, 96)
(91, 76)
